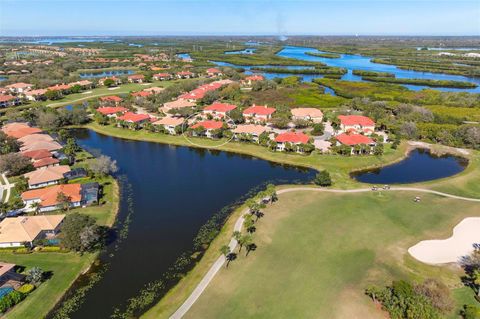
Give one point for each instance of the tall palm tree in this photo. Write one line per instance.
(36, 207)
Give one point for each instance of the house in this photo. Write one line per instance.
(7, 100)
(258, 113)
(307, 114)
(185, 75)
(208, 126)
(16, 231)
(248, 130)
(354, 141)
(47, 197)
(40, 145)
(84, 84)
(62, 88)
(46, 176)
(115, 80)
(136, 78)
(170, 123)
(20, 87)
(162, 76)
(41, 158)
(294, 138)
(31, 139)
(141, 94)
(19, 130)
(248, 81)
(219, 110)
(177, 104)
(212, 72)
(134, 118)
(110, 99)
(35, 95)
(356, 124)
(112, 111)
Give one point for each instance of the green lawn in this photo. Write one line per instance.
(64, 269)
(317, 252)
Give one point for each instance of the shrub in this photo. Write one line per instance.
(323, 179)
(26, 288)
(23, 250)
(10, 300)
(53, 249)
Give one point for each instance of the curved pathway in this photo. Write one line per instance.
(202, 285)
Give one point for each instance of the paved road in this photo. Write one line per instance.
(6, 186)
(202, 285)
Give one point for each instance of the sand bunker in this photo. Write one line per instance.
(449, 250)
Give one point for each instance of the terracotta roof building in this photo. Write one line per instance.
(16, 231)
(19, 130)
(46, 176)
(307, 114)
(48, 197)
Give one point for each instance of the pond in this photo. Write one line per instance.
(105, 73)
(419, 166)
(175, 190)
(184, 56)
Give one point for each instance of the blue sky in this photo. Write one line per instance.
(233, 17)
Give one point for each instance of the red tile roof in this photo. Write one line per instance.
(108, 110)
(162, 75)
(353, 139)
(136, 77)
(111, 98)
(45, 162)
(37, 154)
(255, 78)
(48, 196)
(6, 98)
(184, 73)
(209, 125)
(292, 137)
(19, 85)
(356, 120)
(259, 110)
(220, 107)
(59, 87)
(19, 130)
(134, 117)
(142, 94)
(213, 71)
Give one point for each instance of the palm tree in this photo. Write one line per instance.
(250, 247)
(229, 256)
(36, 207)
(244, 240)
(237, 235)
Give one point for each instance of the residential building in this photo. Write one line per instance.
(20, 87)
(293, 138)
(358, 143)
(46, 176)
(7, 100)
(134, 118)
(40, 145)
(16, 231)
(170, 123)
(219, 110)
(250, 130)
(258, 113)
(19, 130)
(136, 78)
(162, 76)
(110, 99)
(185, 75)
(248, 81)
(112, 111)
(209, 128)
(177, 104)
(307, 114)
(212, 72)
(35, 95)
(115, 80)
(48, 197)
(356, 124)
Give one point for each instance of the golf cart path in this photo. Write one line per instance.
(202, 285)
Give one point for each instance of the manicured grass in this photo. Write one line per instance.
(64, 269)
(317, 252)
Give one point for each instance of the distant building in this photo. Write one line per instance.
(356, 124)
(16, 231)
(307, 114)
(258, 113)
(170, 123)
(294, 138)
(250, 130)
(46, 176)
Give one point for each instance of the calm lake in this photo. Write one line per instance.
(107, 73)
(418, 166)
(357, 62)
(175, 190)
